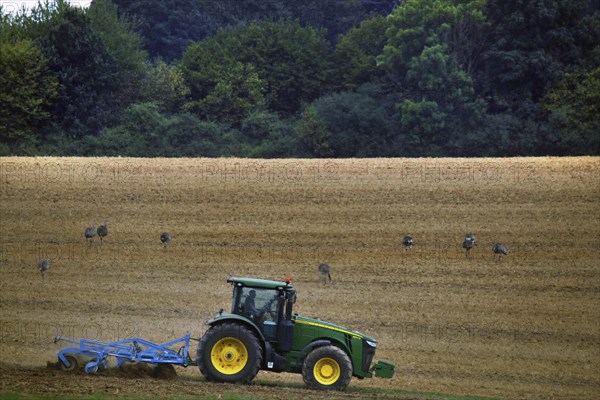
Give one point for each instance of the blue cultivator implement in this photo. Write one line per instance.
(126, 350)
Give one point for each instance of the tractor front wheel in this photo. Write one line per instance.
(229, 353)
(327, 368)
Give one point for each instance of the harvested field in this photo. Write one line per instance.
(525, 325)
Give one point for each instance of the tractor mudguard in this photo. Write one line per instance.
(310, 347)
(234, 318)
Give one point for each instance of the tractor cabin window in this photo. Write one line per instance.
(256, 304)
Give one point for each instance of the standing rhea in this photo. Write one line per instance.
(43, 266)
(408, 243)
(90, 232)
(103, 230)
(325, 272)
(500, 248)
(468, 243)
(165, 238)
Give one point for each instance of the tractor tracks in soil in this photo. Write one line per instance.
(140, 381)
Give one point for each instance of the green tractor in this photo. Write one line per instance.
(262, 332)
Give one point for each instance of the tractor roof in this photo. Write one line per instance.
(260, 283)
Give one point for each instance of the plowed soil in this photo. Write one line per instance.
(522, 325)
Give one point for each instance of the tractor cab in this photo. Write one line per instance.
(268, 304)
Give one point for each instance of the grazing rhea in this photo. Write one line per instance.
(500, 248)
(468, 243)
(90, 232)
(165, 238)
(43, 266)
(408, 243)
(103, 230)
(325, 272)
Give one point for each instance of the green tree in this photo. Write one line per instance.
(533, 44)
(165, 85)
(169, 26)
(359, 123)
(290, 59)
(237, 91)
(436, 76)
(574, 111)
(267, 135)
(424, 119)
(355, 57)
(470, 34)
(439, 103)
(84, 69)
(27, 90)
(230, 71)
(144, 131)
(414, 25)
(222, 88)
(312, 131)
(123, 45)
(138, 135)
(460, 25)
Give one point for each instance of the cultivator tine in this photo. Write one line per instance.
(127, 350)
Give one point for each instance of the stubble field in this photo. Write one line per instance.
(526, 325)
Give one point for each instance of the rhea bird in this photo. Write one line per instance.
(325, 272)
(500, 248)
(103, 230)
(44, 266)
(90, 232)
(165, 238)
(408, 243)
(468, 243)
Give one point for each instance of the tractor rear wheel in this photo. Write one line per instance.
(327, 368)
(229, 353)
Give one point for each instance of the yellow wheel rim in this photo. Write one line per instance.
(229, 356)
(327, 371)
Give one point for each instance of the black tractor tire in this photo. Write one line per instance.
(73, 363)
(229, 353)
(327, 368)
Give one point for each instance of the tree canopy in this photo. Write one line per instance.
(312, 78)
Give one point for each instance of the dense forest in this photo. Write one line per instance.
(301, 78)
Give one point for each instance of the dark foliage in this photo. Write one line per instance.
(169, 26)
(311, 78)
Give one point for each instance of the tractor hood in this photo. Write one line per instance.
(329, 326)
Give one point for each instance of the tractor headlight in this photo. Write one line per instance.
(372, 344)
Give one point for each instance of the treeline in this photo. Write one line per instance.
(312, 78)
